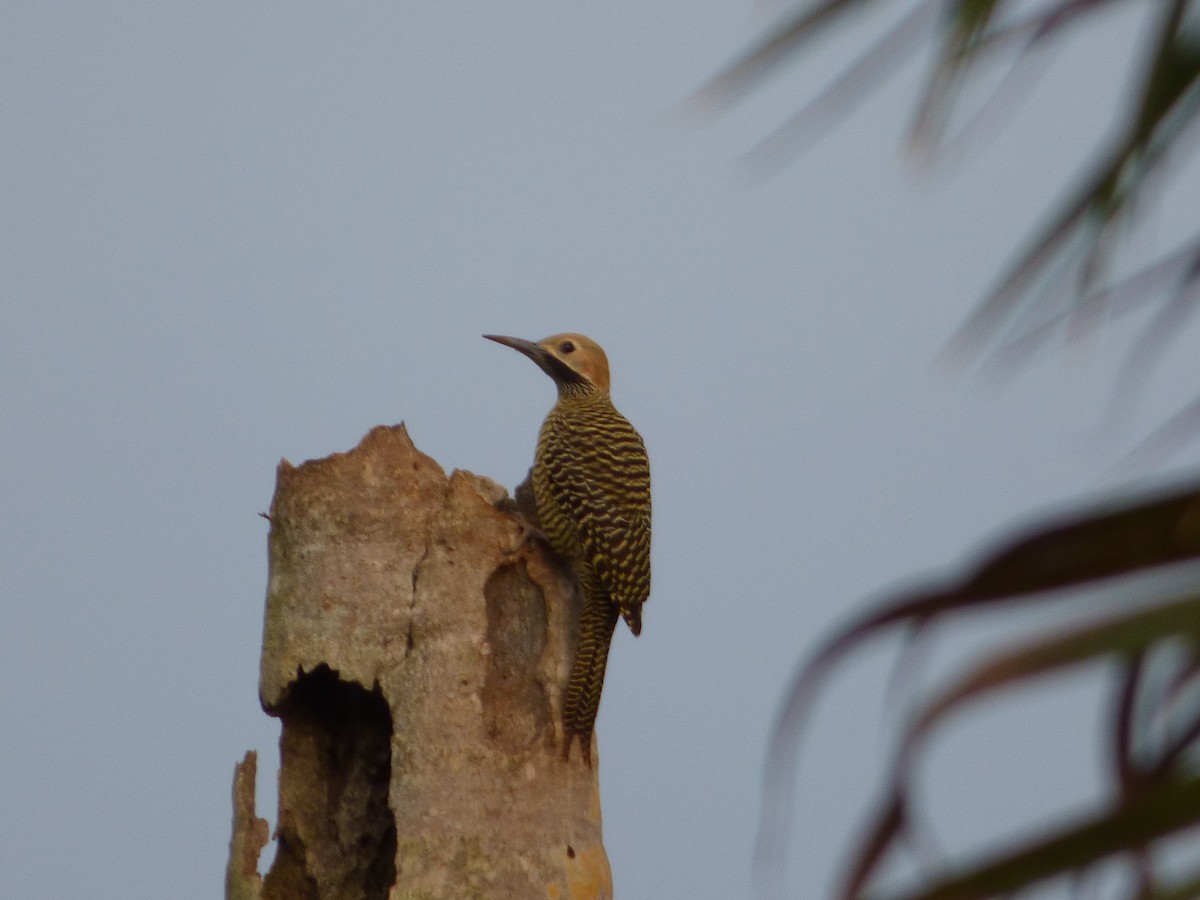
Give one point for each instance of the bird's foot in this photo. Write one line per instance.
(528, 533)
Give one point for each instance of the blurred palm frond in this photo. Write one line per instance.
(1154, 734)
(1064, 282)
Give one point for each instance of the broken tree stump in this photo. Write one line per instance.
(416, 661)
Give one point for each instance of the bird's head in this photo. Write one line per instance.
(574, 361)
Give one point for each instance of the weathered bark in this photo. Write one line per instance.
(417, 664)
(242, 881)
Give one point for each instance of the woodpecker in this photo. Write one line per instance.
(591, 488)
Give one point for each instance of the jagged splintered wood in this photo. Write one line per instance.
(417, 665)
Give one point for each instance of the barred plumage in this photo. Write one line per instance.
(591, 486)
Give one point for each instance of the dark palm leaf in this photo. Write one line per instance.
(1043, 564)
(1063, 282)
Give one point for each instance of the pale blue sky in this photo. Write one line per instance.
(234, 232)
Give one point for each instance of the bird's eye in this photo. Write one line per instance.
(566, 347)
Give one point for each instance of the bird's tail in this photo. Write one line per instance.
(582, 701)
(633, 618)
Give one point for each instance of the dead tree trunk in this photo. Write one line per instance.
(417, 665)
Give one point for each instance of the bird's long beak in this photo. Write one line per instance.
(559, 371)
(529, 348)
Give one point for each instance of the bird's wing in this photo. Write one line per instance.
(610, 505)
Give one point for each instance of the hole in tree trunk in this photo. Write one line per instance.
(516, 710)
(336, 834)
